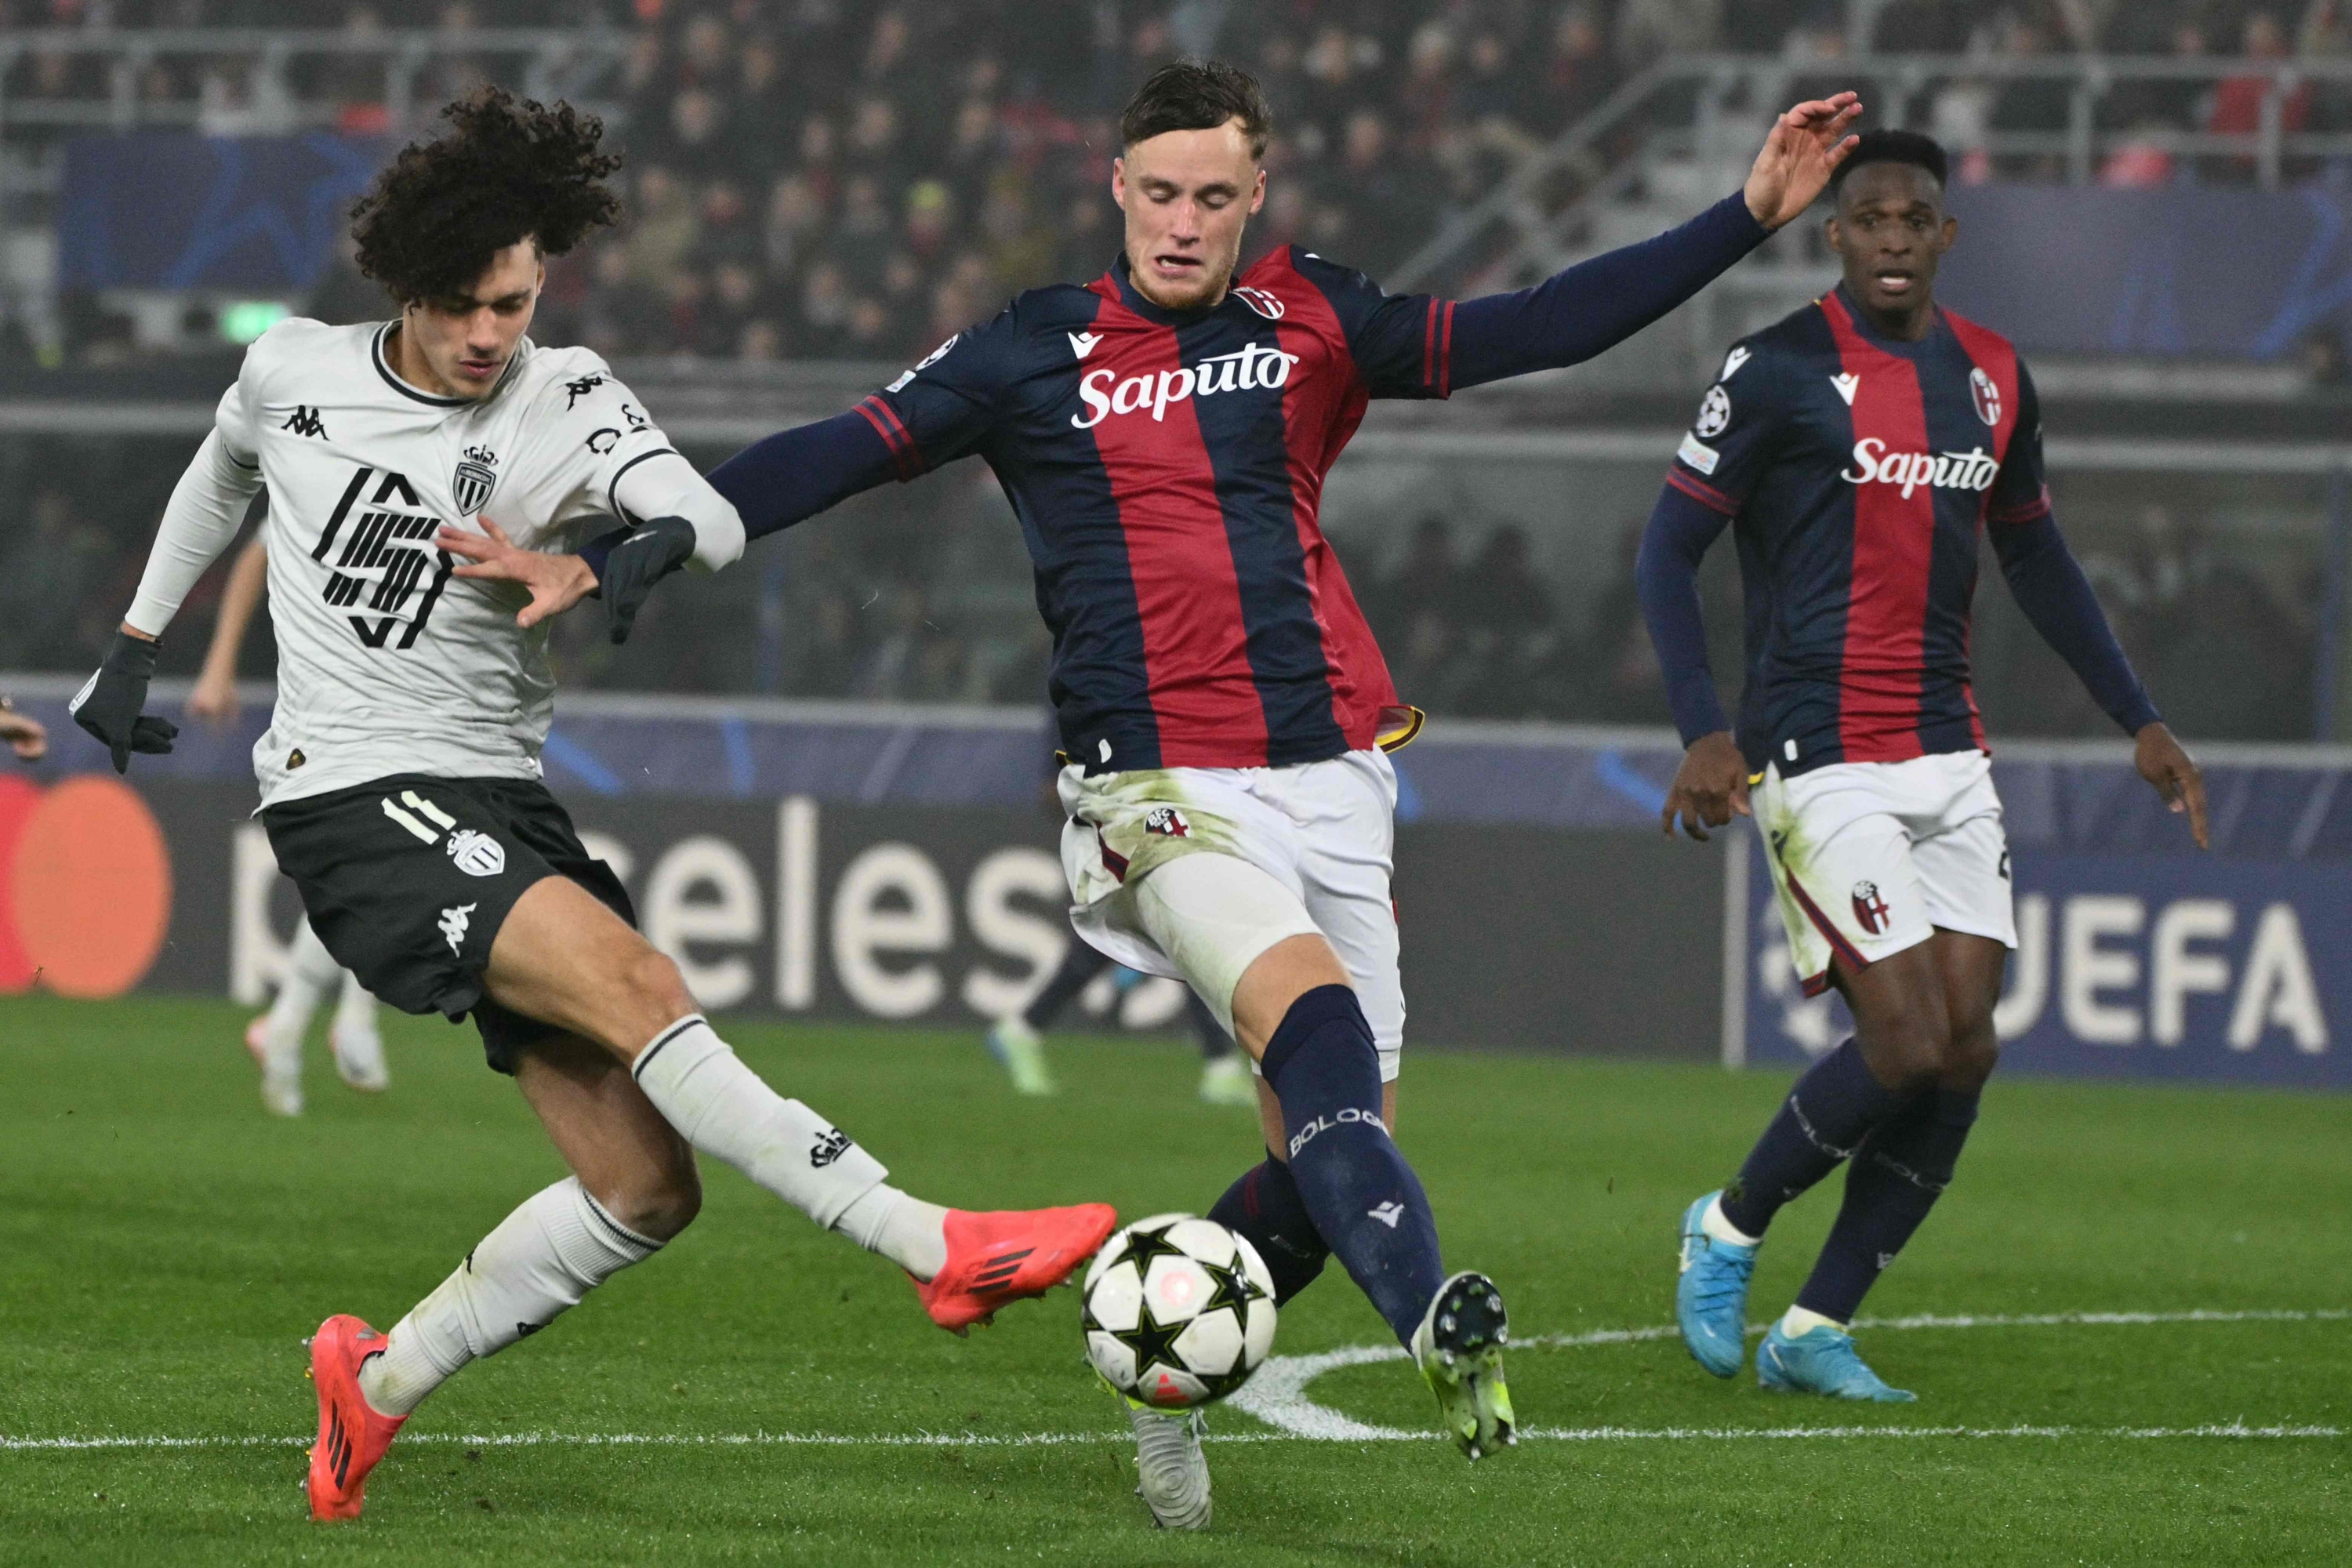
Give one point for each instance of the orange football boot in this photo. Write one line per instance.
(351, 1436)
(994, 1259)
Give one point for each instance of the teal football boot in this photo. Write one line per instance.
(1711, 1297)
(1822, 1361)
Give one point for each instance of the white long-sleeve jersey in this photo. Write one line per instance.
(387, 662)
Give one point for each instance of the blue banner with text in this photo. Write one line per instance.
(2170, 966)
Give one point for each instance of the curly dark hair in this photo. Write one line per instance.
(506, 169)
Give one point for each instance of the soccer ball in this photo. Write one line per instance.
(1179, 1311)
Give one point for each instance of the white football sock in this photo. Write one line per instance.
(310, 969)
(902, 1228)
(1715, 1225)
(1798, 1320)
(722, 1108)
(541, 1259)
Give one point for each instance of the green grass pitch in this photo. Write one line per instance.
(165, 1247)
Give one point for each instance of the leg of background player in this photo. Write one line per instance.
(563, 958)
(633, 1188)
(357, 1043)
(275, 1037)
(1225, 1076)
(1907, 1160)
(1017, 1041)
(1901, 1026)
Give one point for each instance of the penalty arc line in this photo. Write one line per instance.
(1276, 1394)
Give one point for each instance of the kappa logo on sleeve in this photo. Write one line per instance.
(454, 922)
(830, 1145)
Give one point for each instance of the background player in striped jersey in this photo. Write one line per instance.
(1858, 448)
(1163, 434)
(275, 1038)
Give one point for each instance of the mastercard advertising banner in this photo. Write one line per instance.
(85, 885)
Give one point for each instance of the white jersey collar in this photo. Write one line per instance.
(393, 379)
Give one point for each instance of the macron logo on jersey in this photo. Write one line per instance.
(1083, 344)
(1246, 369)
(1974, 469)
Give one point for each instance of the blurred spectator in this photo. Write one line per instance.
(2238, 100)
(1648, 28)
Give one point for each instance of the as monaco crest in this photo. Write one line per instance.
(475, 479)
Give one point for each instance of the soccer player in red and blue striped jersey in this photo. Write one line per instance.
(1858, 450)
(1163, 434)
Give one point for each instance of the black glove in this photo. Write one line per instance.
(108, 706)
(634, 561)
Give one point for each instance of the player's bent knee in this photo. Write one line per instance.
(655, 989)
(1971, 1059)
(658, 1209)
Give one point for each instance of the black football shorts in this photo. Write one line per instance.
(408, 879)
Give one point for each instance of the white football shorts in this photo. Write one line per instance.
(1195, 872)
(1869, 858)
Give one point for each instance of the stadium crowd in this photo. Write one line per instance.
(812, 179)
(809, 179)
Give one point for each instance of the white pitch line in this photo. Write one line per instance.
(1063, 1439)
(1277, 1395)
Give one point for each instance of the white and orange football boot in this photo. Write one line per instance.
(351, 1436)
(1011, 1254)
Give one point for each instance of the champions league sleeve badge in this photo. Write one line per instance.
(476, 477)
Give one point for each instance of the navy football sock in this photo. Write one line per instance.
(1366, 1203)
(1264, 1207)
(1830, 1111)
(1902, 1168)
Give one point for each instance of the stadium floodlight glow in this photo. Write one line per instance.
(247, 319)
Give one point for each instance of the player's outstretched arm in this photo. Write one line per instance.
(776, 481)
(205, 509)
(213, 696)
(1711, 784)
(685, 522)
(23, 733)
(1598, 305)
(1805, 147)
(2050, 587)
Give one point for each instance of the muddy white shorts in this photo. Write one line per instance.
(1869, 857)
(1235, 860)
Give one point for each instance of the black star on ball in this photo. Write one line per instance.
(1229, 1287)
(1143, 1245)
(1150, 1342)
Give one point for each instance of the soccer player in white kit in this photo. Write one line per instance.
(400, 775)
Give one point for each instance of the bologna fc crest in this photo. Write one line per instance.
(476, 477)
(1869, 908)
(1986, 396)
(1258, 300)
(1168, 821)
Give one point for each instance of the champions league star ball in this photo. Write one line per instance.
(1179, 1311)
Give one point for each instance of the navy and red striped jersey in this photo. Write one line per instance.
(1167, 470)
(1859, 470)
